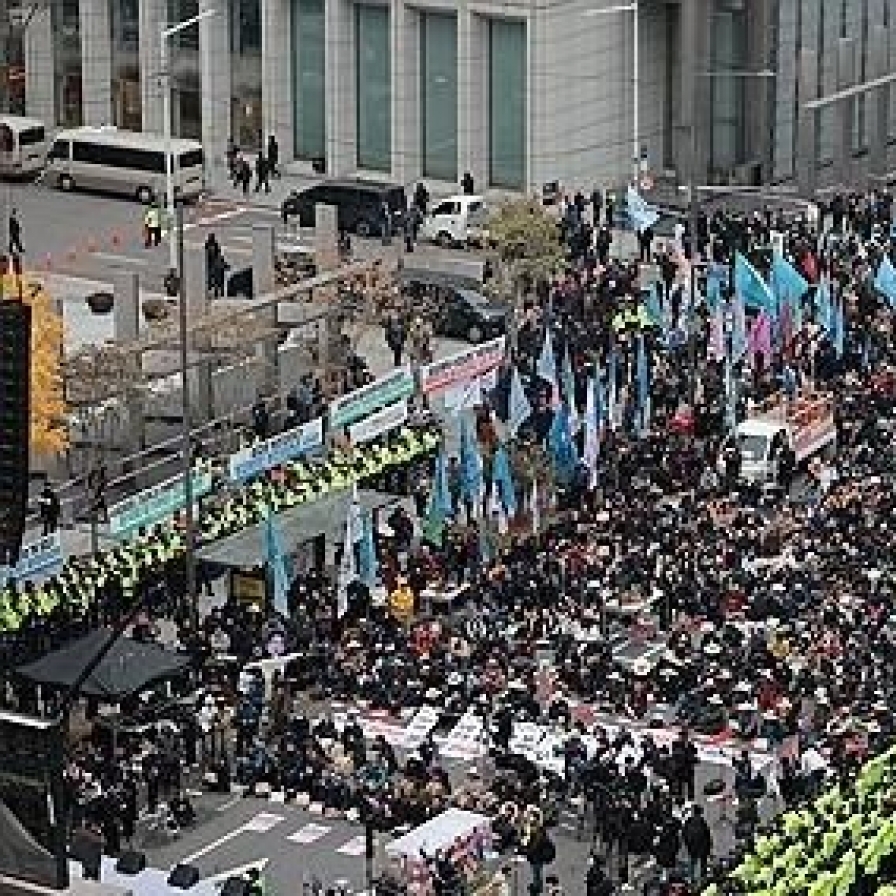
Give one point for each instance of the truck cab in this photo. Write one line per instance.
(806, 425)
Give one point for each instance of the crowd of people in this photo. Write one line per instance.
(770, 606)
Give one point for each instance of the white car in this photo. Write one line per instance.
(456, 221)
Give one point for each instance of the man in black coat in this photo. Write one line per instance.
(697, 839)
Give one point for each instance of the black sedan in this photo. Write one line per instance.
(467, 314)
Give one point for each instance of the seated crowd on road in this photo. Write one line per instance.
(771, 604)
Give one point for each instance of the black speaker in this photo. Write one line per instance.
(235, 886)
(130, 862)
(15, 403)
(183, 877)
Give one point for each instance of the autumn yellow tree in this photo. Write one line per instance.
(49, 433)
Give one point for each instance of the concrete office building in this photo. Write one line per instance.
(518, 92)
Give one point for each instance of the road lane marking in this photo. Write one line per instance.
(230, 803)
(239, 871)
(214, 219)
(309, 833)
(354, 847)
(112, 258)
(260, 824)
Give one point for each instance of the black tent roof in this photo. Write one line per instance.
(128, 667)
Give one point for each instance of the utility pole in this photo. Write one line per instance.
(186, 444)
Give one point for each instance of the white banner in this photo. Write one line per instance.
(461, 367)
(254, 460)
(382, 421)
(386, 390)
(469, 395)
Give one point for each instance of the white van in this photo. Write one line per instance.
(456, 221)
(23, 145)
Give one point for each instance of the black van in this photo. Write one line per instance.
(359, 205)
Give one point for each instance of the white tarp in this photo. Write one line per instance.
(439, 833)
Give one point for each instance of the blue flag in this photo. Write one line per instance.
(752, 289)
(568, 383)
(471, 480)
(643, 383)
(367, 550)
(277, 564)
(642, 215)
(612, 387)
(547, 360)
(824, 307)
(654, 308)
(560, 446)
(885, 281)
(730, 397)
(519, 409)
(440, 489)
(790, 287)
(838, 329)
(502, 479)
(716, 278)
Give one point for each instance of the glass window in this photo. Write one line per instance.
(191, 159)
(67, 68)
(373, 87)
(30, 136)
(507, 103)
(728, 115)
(443, 208)
(245, 27)
(309, 78)
(438, 91)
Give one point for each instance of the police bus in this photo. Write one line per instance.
(124, 162)
(23, 145)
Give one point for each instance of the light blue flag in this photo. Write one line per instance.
(838, 329)
(440, 490)
(824, 307)
(568, 384)
(654, 308)
(790, 286)
(367, 550)
(560, 446)
(642, 215)
(643, 383)
(593, 423)
(739, 341)
(753, 290)
(471, 481)
(502, 479)
(277, 564)
(519, 408)
(716, 278)
(547, 360)
(885, 281)
(612, 387)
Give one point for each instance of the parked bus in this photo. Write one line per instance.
(124, 162)
(23, 145)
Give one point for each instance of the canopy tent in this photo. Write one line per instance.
(324, 516)
(439, 833)
(128, 667)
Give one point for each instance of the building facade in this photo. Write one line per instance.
(517, 92)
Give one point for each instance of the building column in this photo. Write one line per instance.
(215, 81)
(760, 92)
(340, 35)
(472, 94)
(40, 81)
(877, 105)
(96, 62)
(845, 114)
(404, 25)
(264, 281)
(807, 125)
(277, 106)
(692, 128)
(153, 83)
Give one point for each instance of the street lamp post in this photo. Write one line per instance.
(636, 79)
(166, 33)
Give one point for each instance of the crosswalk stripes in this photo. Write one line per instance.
(354, 847)
(309, 833)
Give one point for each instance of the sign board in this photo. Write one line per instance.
(155, 504)
(43, 556)
(254, 460)
(388, 389)
(390, 417)
(470, 394)
(461, 367)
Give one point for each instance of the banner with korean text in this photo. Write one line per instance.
(462, 367)
(255, 459)
(394, 386)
